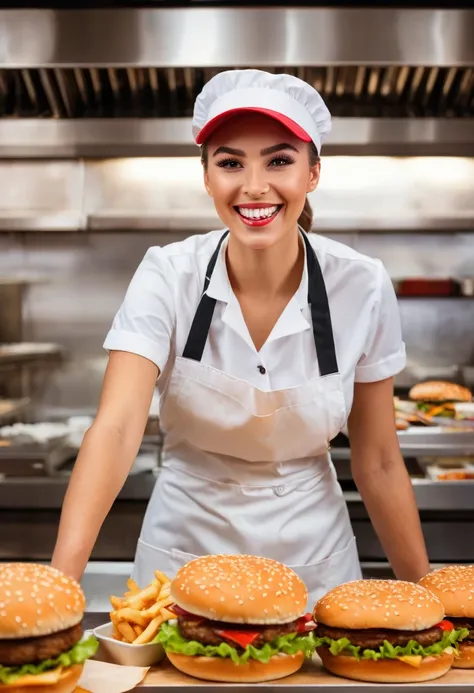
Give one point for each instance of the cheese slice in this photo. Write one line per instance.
(415, 660)
(412, 660)
(45, 679)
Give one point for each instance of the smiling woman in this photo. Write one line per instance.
(266, 342)
(259, 213)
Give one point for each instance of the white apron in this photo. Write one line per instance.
(248, 471)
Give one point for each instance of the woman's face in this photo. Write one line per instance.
(258, 175)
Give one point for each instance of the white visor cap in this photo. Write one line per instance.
(287, 99)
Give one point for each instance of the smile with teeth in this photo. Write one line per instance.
(258, 216)
(260, 213)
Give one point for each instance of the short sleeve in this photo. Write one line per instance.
(145, 321)
(384, 353)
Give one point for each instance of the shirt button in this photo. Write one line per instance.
(262, 369)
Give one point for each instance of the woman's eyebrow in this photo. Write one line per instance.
(229, 150)
(263, 152)
(277, 148)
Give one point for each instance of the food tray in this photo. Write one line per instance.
(10, 408)
(33, 459)
(442, 474)
(312, 677)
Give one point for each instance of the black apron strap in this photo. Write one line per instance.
(317, 298)
(197, 337)
(320, 313)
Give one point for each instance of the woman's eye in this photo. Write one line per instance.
(229, 163)
(281, 161)
(276, 162)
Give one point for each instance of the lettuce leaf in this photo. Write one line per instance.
(76, 655)
(423, 406)
(388, 651)
(172, 641)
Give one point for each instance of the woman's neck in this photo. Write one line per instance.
(274, 271)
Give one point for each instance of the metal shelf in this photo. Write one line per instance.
(10, 408)
(48, 492)
(426, 442)
(20, 353)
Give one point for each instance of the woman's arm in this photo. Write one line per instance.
(105, 459)
(383, 481)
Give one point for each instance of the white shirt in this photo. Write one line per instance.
(156, 315)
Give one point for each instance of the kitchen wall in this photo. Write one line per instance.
(79, 281)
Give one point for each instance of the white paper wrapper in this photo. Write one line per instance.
(101, 677)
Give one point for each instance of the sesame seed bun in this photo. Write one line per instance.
(37, 600)
(385, 670)
(466, 657)
(402, 424)
(224, 670)
(379, 604)
(439, 391)
(66, 684)
(240, 589)
(454, 587)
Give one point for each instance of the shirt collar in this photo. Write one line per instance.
(219, 284)
(301, 294)
(220, 288)
(291, 320)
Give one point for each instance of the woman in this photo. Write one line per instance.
(265, 341)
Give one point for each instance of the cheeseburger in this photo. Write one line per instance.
(41, 638)
(437, 398)
(384, 631)
(454, 586)
(239, 619)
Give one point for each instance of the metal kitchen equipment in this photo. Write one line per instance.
(77, 117)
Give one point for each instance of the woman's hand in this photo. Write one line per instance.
(380, 474)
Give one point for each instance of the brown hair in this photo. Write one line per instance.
(305, 219)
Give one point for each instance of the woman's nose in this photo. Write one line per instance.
(255, 183)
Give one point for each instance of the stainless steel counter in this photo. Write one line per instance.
(48, 492)
(30, 510)
(30, 507)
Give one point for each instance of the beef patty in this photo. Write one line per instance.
(373, 638)
(464, 623)
(18, 651)
(206, 633)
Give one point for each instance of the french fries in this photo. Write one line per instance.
(138, 615)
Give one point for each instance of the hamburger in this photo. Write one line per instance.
(437, 398)
(41, 638)
(384, 631)
(240, 619)
(454, 587)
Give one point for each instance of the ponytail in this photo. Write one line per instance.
(306, 217)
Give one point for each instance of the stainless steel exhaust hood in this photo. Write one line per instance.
(123, 82)
(219, 37)
(91, 91)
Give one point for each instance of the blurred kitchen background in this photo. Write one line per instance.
(97, 163)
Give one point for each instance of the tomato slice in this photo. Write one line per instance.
(241, 637)
(303, 624)
(445, 625)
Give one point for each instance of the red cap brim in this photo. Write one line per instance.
(216, 122)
